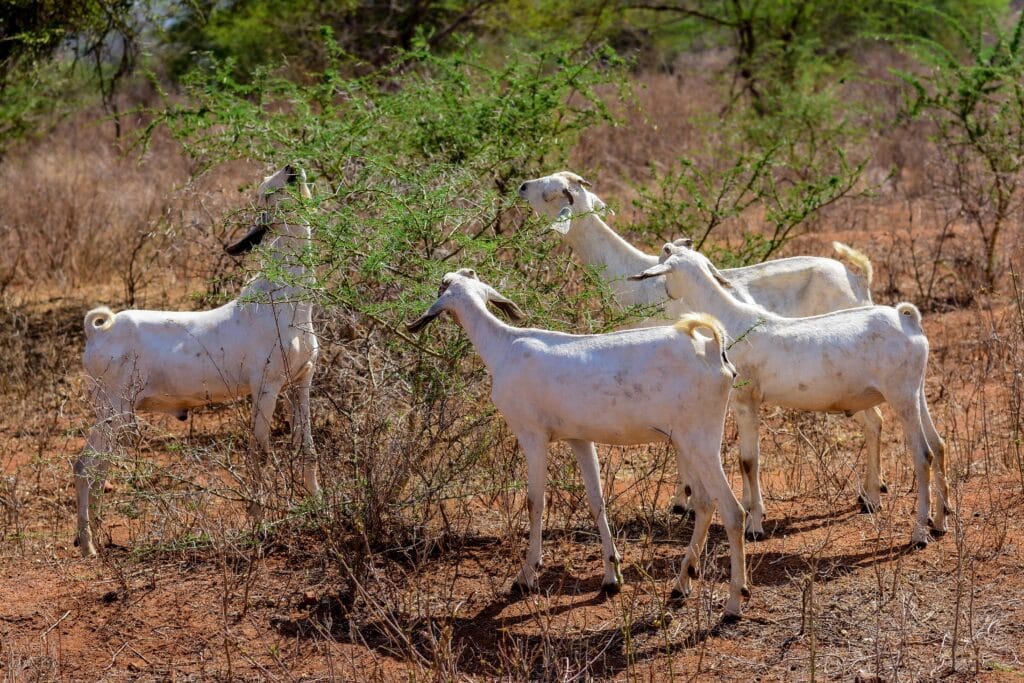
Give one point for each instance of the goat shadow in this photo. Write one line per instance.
(480, 643)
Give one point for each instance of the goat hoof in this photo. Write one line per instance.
(884, 488)
(745, 592)
(691, 571)
(919, 544)
(866, 506)
(78, 541)
(519, 590)
(681, 510)
(935, 530)
(677, 596)
(730, 618)
(610, 589)
(754, 535)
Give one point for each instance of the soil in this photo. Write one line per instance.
(837, 595)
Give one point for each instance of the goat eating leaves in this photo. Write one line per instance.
(171, 362)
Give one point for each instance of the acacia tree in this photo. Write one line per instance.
(43, 43)
(415, 168)
(973, 95)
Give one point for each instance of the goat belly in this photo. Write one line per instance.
(819, 398)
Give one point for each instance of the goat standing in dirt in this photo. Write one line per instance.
(663, 383)
(172, 362)
(845, 361)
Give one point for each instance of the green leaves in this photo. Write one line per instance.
(786, 183)
(971, 94)
(415, 165)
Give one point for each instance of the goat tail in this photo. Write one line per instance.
(692, 321)
(910, 312)
(99, 318)
(858, 259)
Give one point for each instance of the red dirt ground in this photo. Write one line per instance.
(836, 594)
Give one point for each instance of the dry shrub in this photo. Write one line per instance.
(81, 212)
(667, 119)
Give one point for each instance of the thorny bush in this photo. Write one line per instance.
(414, 168)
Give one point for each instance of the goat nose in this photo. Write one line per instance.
(522, 190)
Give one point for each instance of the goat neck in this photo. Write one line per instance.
(597, 244)
(491, 337)
(702, 293)
(285, 248)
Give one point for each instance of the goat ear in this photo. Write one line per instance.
(653, 271)
(246, 244)
(425, 319)
(576, 178)
(506, 306)
(598, 203)
(294, 174)
(721, 279)
(683, 242)
(419, 323)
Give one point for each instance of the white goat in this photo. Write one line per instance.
(631, 387)
(843, 361)
(172, 362)
(794, 287)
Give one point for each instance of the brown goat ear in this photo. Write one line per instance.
(435, 310)
(505, 305)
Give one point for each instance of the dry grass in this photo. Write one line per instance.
(392, 576)
(84, 214)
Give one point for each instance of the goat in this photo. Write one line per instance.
(844, 361)
(794, 287)
(172, 362)
(630, 387)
